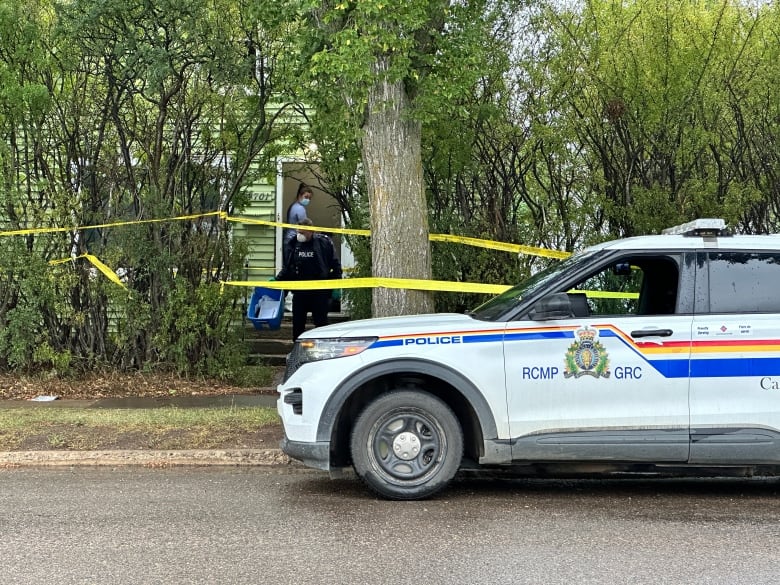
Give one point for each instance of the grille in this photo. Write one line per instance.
(293, 362)
(295, 399)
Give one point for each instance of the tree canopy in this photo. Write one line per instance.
(374, 74)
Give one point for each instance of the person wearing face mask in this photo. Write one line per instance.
(297, 212)
(310, 256)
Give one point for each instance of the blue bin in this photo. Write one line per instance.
(266, 308)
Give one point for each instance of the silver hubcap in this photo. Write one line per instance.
(406, 446)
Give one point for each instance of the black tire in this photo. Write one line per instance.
(407, 445)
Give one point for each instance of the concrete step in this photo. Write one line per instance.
(269, 345)
(285, 331)
(265, 359)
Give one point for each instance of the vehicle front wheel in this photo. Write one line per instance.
(407, 445)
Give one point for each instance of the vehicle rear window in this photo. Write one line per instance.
(744, 282)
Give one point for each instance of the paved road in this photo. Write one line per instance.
(289, 525)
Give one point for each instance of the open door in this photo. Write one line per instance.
(323, 210)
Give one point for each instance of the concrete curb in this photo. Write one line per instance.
(235, 457)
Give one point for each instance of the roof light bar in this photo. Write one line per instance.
(698, 227)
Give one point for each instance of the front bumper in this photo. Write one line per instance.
(316, 455)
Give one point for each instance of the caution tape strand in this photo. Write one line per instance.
(449, 238)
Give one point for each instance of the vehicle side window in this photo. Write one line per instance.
(633, 285)
(744, 282)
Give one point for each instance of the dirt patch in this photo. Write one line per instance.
(119, 386)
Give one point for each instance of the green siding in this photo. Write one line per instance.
(261, 240)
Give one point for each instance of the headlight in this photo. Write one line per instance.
(312, 350)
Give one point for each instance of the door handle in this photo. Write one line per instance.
(652, 333)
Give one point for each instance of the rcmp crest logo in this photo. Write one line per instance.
(586, 356)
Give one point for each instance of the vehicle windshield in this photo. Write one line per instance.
(499, 305)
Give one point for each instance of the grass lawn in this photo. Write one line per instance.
(154, 428)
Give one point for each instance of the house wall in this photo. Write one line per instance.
(261, 257)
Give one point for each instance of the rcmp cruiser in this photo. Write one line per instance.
(656, 353)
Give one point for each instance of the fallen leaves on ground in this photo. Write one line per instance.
(117, 385)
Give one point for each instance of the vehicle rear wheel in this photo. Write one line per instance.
(407, 445)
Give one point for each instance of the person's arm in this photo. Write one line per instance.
(334, 264)
(287, 261)
(297, 213)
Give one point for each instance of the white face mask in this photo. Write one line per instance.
(300, 237)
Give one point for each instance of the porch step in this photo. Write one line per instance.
(267, 359)
(270, 347)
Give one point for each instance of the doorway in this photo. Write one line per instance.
(324, 210)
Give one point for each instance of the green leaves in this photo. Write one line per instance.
(114, 110)
(661, 98)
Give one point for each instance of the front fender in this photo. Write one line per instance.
(452, 377)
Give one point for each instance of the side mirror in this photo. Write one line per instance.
(621, 269)
(553, 306)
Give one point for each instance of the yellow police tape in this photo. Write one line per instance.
(503, 246)
(295, 226)
(606, 294)
(370, 282)
(476, 242)
(367, 282)
(110, 274)
(407, 283)
(399, 283)
(49, 230)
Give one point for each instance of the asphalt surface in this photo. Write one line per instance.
(148, 458)
(278, 525)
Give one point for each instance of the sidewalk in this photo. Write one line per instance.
(148, 458)
(145, 458)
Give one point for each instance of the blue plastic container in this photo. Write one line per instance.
(266, 308)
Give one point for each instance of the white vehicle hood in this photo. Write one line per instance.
(388, 326)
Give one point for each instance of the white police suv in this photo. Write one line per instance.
(656, 353)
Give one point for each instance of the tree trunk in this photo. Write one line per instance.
(392, 159)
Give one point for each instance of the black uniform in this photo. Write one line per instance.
(311, 260)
